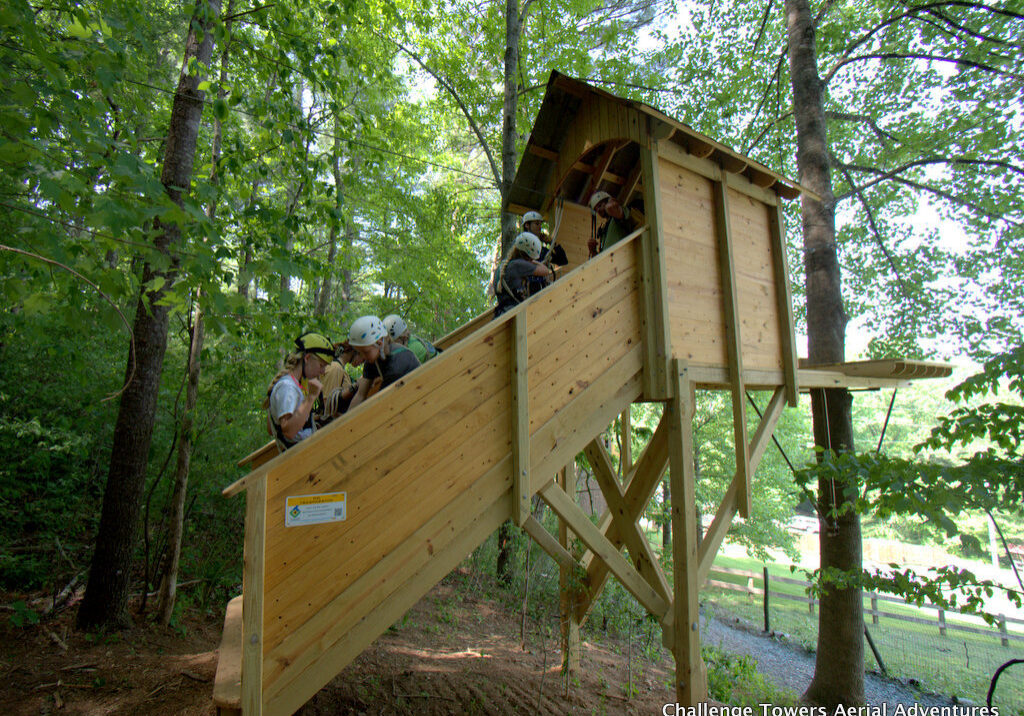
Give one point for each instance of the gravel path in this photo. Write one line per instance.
(791, 667)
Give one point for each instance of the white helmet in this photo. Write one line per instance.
(366, 330)
(528, 243)
(597, 197)
(395, 325)
(532, 216)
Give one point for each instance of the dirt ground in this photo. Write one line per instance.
(453, 653)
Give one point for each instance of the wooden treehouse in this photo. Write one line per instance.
(697, 298)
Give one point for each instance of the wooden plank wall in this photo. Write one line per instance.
(694, 276)
(427, 469)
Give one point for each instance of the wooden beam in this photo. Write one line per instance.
(691, 676)
(252, 590)
(625, 520)
(569, 511)
(542, 152)
(787, 334)
(734, 342)
(549, 544)
(629, 186)
(727, 509)
(607, 176)
(521, 492)
(657, 340)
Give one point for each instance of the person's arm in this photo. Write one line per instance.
(292, 423)
(362, 388)
(365, 389)
(541, 270)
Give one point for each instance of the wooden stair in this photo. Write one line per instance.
(430, 467)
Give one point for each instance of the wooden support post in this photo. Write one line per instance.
(520, 421)
(734, 345)
(569, 587)
(874, 609)
(252, 596)
(691, 675)
(767, 590)
(1004, 637)
(942, 622)
(657, 343)
(787, 335)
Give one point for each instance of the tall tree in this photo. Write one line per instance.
(839, 672)
(106, 596)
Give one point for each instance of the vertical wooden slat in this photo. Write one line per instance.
(734, 343)
(787, 335)
(691, 676)
(252, 604)
(657, 342)
(520, 421)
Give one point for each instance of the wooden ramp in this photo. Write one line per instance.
(697, 297)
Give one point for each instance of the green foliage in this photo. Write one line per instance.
(735, 681)
(22, 615)
(940, 491)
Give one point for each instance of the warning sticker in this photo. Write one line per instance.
(314, 509)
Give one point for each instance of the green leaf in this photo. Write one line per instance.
(220, 109)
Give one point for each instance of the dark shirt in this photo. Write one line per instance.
(400, 362)
(614, 230)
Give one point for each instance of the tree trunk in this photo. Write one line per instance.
(513, 30)
(106, 596)
(839, 666)
(169, 579)
(324, 298)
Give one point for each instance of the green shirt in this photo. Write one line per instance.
(615, 230)
(422, 348)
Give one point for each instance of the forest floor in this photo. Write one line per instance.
(452, 653)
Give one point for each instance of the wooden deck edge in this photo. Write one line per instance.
(227, 684)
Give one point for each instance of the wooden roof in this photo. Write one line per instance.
(562, 102)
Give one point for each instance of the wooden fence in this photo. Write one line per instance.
(871, 609)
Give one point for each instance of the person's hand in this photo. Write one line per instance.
(375, 386)
(592, 246)
(315, 387)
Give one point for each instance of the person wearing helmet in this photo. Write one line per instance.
(397, 328)
(289, 407)
(513, 274)
(550, 254)
(617, 222)
(534, 223)
(338, 386)
(384, 360)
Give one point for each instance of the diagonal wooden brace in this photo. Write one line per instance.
(625, 521)
(641, 483)
(579, 523)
